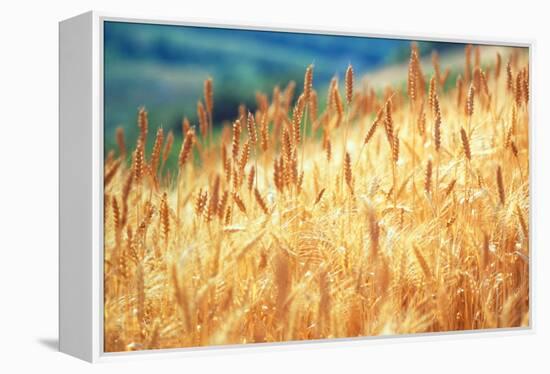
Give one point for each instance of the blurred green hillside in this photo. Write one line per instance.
(163, 68)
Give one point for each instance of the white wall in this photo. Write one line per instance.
(28, 183)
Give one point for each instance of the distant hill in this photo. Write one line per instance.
(162, 67)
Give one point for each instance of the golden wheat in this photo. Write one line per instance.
(253, 245)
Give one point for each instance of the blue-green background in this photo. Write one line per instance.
(163, 67)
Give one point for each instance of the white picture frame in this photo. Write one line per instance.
(81, 190)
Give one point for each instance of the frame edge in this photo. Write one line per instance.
(76, 309)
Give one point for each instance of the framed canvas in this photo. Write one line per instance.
(250, 186)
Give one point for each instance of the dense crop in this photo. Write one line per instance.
(391, 212)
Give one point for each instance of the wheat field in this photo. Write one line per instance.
(378, 212)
